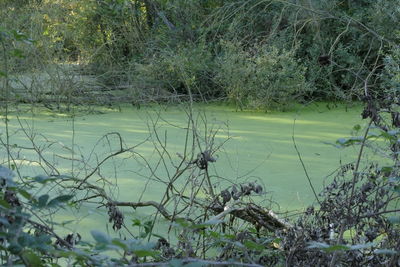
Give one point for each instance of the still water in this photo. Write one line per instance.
(255, 146)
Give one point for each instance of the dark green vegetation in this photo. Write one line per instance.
(260, 54)
(67, 56)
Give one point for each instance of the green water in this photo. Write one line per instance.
(260, 147)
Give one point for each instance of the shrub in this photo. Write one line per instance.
(260, 76)
(187, 69)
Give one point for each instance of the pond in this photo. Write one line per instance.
(256, 146)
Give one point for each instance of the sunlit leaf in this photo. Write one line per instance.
(119, 243)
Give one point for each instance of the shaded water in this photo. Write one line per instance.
(260, 147)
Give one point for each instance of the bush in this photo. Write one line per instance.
(188, 69)
(260, 76)
(391, 76)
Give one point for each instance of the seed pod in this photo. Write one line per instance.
(245, 189)
(258, 189)
(252, 186)
(235, 193)
(226, 196)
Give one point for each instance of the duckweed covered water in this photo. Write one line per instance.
(260, 147)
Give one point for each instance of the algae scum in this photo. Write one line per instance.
(252, 146)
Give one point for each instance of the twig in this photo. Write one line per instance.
(302, 164)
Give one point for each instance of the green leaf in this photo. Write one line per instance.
(42, 201)
(17, 53)
(214, 234)
(145, 253)
(345, 142)
(357, 127)
(25, 194)
(100, 237)
(31, 258)
(136, 222)
(42, 179)
(19, 36)
(182, 223)
(333, 248)
(5, 204)
(230, 236)
(61, 199)
(119, 243)
(148, 226)
(253, 245)
(3, 74)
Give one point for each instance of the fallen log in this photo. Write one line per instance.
(252, 213)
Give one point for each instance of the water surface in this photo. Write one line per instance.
(260, 147)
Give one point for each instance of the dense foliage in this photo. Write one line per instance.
(260, 54)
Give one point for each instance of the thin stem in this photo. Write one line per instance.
(6, 96)
(303, 165)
